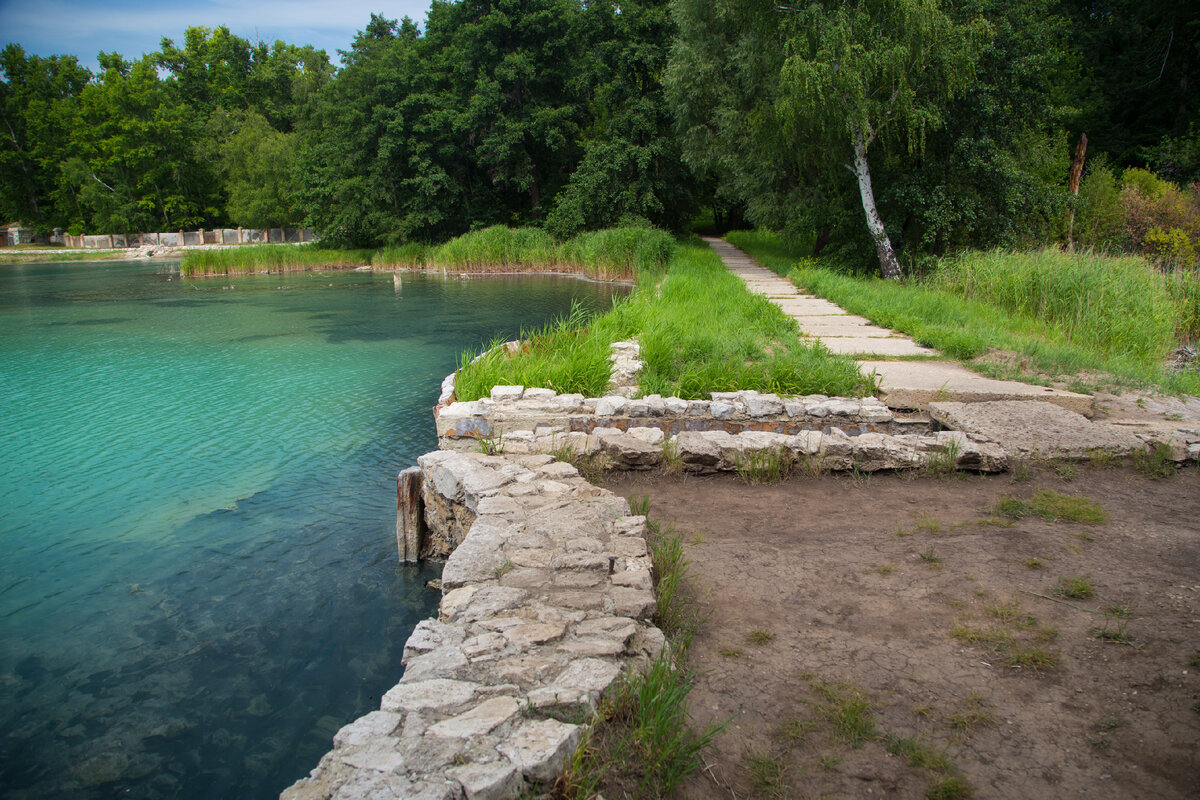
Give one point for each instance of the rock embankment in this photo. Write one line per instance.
(547, 601)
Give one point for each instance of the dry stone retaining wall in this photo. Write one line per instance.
(546, 601)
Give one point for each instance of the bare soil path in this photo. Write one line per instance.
(891, 636)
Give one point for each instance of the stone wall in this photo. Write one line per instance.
(187, 238)
(546, 601)
(703, 436)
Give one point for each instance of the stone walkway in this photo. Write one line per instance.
(903, 384)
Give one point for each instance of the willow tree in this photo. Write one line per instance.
(868, 71)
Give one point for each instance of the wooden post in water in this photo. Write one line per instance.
(410, 514)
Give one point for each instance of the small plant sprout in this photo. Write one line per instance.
(492, 443)
(766, 773)
(1116, 624)
(760, 637)
(672, 460)
(1035, 563)
(930, 557)
(1076, 588)
(500, 570)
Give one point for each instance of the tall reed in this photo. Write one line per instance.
(613, 254)
(260, 258)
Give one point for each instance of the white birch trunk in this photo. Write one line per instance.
(888, 266)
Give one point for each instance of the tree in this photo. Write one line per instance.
(874, 70)
(38, 106)
(632, 163)
(134, 165)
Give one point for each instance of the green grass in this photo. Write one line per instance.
(1155, 462)
(640, 740)
(919, 753)
(1061, 313)
(613, 254)
(700, 331)
(847, 710)
(1075, 587)
(12, 255)
(766, 773)
(1052, 506)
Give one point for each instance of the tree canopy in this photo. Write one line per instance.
(883, 130)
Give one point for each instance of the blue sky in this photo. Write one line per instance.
(132, 27)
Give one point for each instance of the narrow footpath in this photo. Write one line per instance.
(909, 384)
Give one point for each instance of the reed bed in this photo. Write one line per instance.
(613, 254)
(264, 258)
(700, 331)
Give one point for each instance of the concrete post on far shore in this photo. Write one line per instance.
(410, 514)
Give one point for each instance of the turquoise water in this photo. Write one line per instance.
(197, 482)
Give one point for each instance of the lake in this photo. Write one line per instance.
(199, 582)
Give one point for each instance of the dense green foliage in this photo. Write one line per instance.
(195, 135)
(700, 330)
(573, 116)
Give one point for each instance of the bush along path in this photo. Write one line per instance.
(1036, 421)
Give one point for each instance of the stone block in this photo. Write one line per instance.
(540, 747)
(506, 394)
(376, 725)
(675, 406)
(438, 694)
(611, 406)
(762, 405)
(1032, 428)
(479, 720)
(495, 780)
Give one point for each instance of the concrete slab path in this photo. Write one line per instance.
(903, 384)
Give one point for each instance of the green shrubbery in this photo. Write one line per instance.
(1140, 213)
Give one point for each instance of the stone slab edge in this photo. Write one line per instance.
(546, 601)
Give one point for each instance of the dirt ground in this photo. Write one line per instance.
(887, 635)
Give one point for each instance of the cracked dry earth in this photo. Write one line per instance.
(816, 591)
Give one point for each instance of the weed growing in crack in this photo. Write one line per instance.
(672, 459)
(768, 466)
(1155, 462)
(941, 464)
(492, 444)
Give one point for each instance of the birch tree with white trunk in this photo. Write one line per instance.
(874, 72)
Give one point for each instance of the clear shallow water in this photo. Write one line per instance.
(198, 581)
